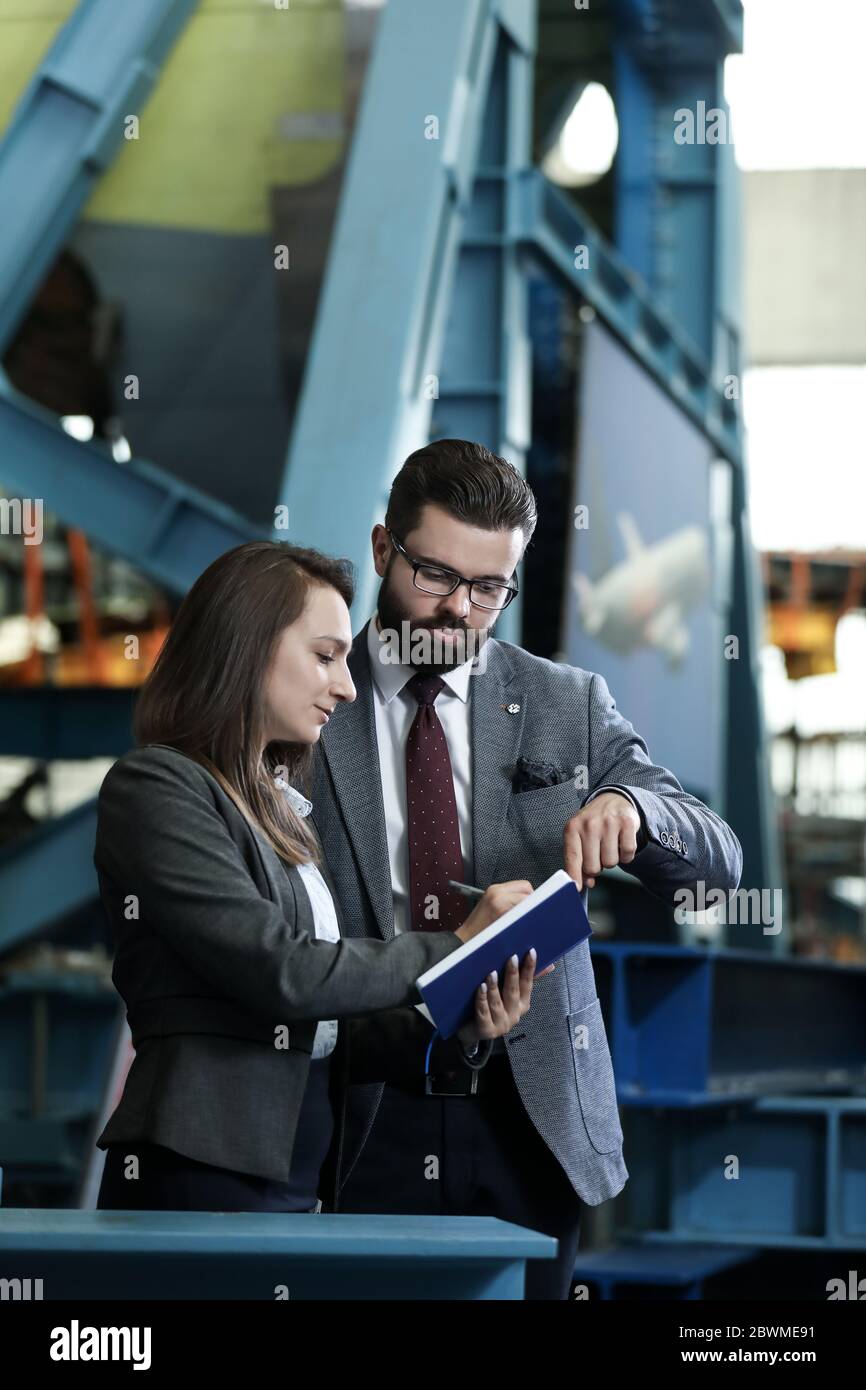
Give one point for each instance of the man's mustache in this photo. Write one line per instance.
(433, 627)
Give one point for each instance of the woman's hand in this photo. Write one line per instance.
(497, 1011)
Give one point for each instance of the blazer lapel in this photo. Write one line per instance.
(351, 751)
(497, 716)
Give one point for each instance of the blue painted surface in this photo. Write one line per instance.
(47, 873)
(377, 348)
(650, 465)
(552, 225)
(669, 194)
(168, 530)
(692, 1028)
(247, 1255)
(678, 221)
(800, 1182)
(77, 1030)
(485, 381)
(679, 1269)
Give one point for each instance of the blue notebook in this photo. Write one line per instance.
(552, 919)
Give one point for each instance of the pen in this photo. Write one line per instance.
(466, 889)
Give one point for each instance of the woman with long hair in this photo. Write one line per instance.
(250, 1011)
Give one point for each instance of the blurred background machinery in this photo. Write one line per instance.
(253, 254)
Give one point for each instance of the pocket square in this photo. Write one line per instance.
(528, 775)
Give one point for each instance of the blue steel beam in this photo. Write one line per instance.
(67, 129)
(68, 126)
(668, 57)
(47, 874)
(694, 1027)
(668, 30)
(366, 400)
(65, 721)
(485, 379)
(800, 1185)
(168, 530)
(677, 217)
(553, 226)
(749, 796)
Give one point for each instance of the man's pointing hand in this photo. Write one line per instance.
(603, 834)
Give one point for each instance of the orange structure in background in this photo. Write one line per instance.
(96, 659)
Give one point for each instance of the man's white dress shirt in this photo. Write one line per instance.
(395, 709)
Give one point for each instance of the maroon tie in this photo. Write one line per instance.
(434, 831)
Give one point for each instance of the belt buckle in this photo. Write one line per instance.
(429, 1091)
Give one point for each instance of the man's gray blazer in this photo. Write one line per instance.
(524, 707)
(224, 980)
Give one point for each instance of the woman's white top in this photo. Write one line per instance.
(324, 916)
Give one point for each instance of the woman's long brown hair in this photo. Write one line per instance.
(205, 694)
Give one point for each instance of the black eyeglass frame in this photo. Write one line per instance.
(459, 579)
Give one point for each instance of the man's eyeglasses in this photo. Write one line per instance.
(434, 579)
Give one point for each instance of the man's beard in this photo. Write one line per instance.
(392, 617)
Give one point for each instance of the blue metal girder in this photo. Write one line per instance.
(168, 530)
(65, 721)
(485, 378)
(668, 56)
(669, 31)
(67, 129)
(749, 796)
(551, 224)
(68, 126)
(47, 874)
(697, 1029)
(801, 1181)
(666, 207)
(367, 398)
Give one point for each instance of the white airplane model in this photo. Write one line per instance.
(643, 600)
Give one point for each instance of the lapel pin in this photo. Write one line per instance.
(512, 709)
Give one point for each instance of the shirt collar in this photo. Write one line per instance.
(298, 802)
(390, 678)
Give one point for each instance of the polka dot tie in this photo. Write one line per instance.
(434, 831)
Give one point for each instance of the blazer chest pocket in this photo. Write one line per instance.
(531, 846)
(593, 1072)
(563, 798)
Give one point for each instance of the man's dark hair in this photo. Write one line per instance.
(466, 480)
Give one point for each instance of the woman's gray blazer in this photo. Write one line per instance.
(224, 979)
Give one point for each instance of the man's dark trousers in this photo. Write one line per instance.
(475, 1155)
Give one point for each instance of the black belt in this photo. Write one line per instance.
(465, 1082)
